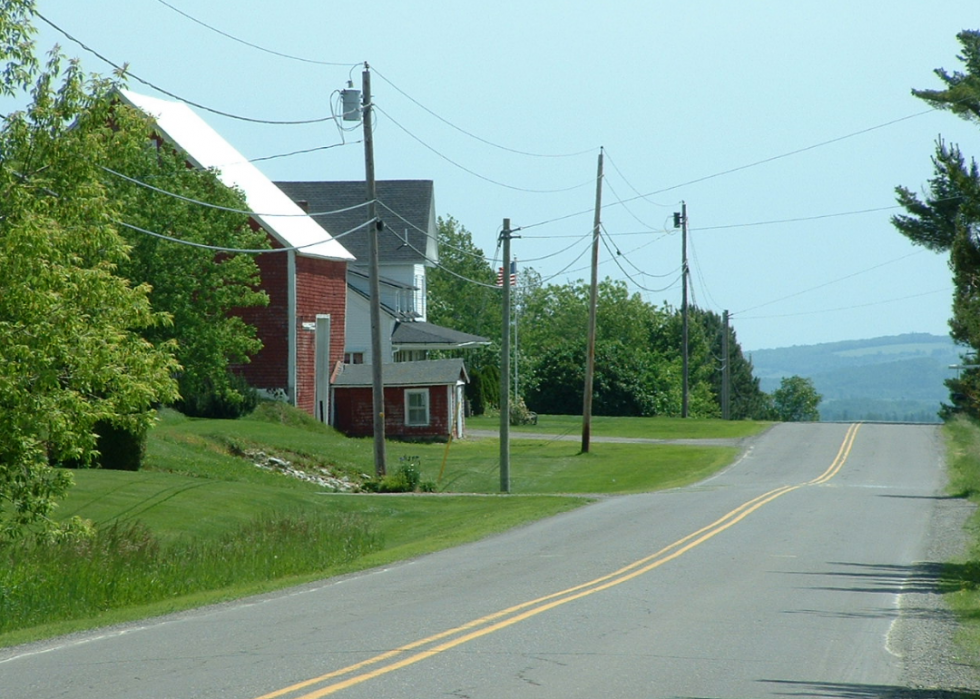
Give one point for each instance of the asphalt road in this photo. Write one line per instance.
(782, 576)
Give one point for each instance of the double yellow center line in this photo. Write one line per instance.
(430, 646)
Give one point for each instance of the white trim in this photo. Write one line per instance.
(292, 328)
(321, 369)
(409, 392)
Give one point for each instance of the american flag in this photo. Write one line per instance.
(513, 274)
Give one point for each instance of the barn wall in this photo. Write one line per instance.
(321, 288)
(268, 369)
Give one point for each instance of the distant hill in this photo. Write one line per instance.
(896, 378)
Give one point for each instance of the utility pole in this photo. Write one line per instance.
(377, 374)
(726, 371)
(593, 302)
(505, 368)
(685, 372)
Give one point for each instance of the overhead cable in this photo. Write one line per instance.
(124, 71)
(226, 208)
(239, 251)
(250, 44)
(615, 254)
(842, 308)
(832, 281)
(472, 135)
(741, 167)
(474, 173)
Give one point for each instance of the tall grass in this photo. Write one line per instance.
(125, 565)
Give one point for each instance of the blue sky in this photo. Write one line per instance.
(785, 126)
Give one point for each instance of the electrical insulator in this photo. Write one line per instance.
(351, 104)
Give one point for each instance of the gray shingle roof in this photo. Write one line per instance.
(421, 333)
(411, 200)
(438, 372)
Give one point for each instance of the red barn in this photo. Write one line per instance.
(305, 275)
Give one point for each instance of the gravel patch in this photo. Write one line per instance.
(924, 634)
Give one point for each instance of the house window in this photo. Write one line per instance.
(417, 407)
(353, 358)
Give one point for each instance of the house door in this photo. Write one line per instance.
(322, 369)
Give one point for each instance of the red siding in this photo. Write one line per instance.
(321, 288)
(353, 414)
(269, 368)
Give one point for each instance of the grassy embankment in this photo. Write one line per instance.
(200, 523)
(961, 578)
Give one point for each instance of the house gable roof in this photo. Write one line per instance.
(421, 335)
(438, 372)
(205, 148)
(406, 207)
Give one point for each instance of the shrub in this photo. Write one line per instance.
(520, 414)
(120, 448)
(225, 400)
(406, 479)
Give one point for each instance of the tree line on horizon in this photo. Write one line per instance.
(638, 363)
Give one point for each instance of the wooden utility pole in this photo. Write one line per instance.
(593, 302)
(684, 273)
(726, 371)
(505, 368)
(377, 373)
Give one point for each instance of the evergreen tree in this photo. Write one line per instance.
(946, 219)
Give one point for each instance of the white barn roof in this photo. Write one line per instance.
(205, 148)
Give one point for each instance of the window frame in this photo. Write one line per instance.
(409, 408)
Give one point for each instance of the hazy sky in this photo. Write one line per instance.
(696, 101)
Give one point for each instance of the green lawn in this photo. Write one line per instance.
(197, 485)
(643, 427)
(961, 578)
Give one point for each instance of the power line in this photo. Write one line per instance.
(441, 241)
(700, 273)
(625, 257)
(250, 44)
(630, 184)
(844, 308)
(743, 167)
(616, 255)
(473, 172)
(619, 199)
(241, 251)
(303, 151)
(472, 135)
(829, 283)
(799, 219)
(439, 265)
(225, 208)
(124, 71)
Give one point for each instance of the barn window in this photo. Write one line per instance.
(417, 407)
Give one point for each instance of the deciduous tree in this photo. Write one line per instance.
(796, 400)
(69, 323)
(196, 286)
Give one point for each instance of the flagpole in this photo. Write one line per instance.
(517, 316)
